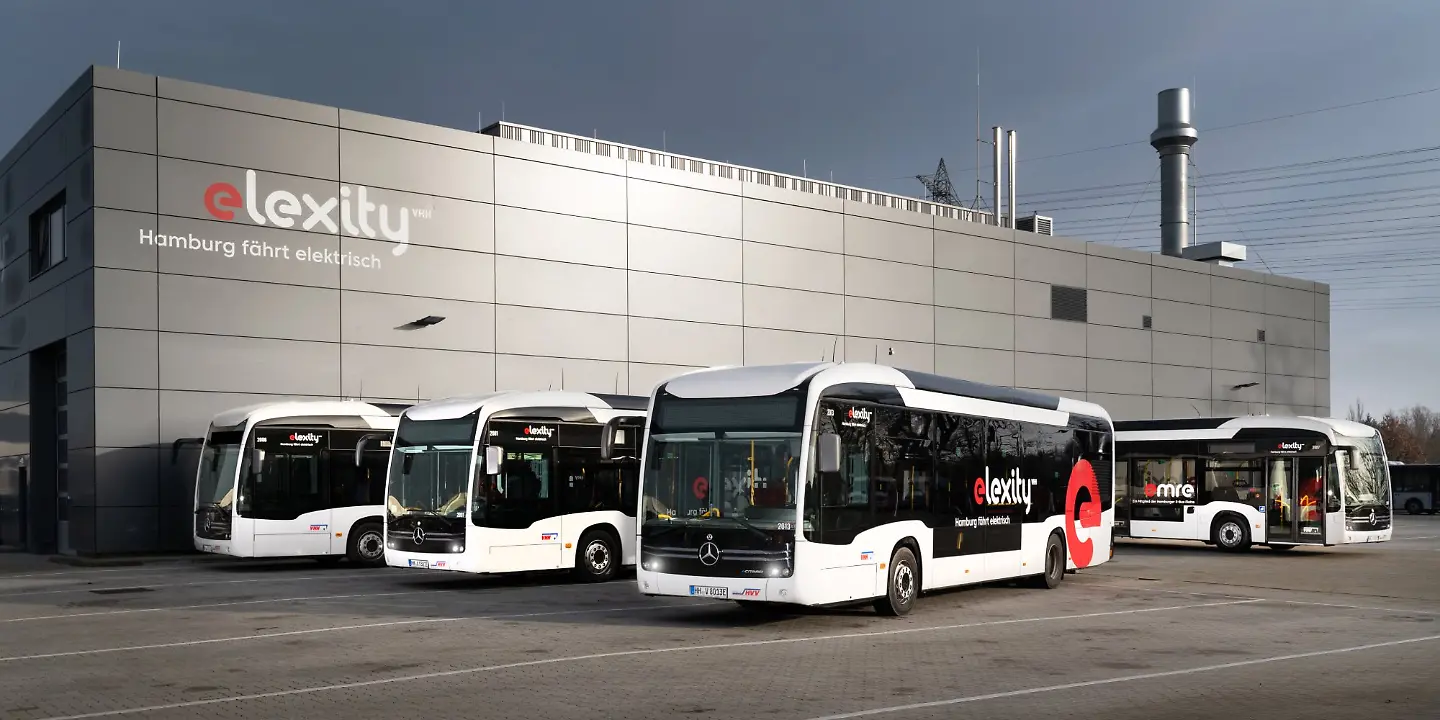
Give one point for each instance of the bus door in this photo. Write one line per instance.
(1296, 499)
(1162, 497)
(522, 504)
(285, 494)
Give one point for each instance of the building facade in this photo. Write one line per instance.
(171, 250)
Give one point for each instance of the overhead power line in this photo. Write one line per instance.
(1048, 194)
(1247, 123)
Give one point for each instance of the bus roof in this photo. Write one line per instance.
(1225, 428)
(462, 405)
(303, 411)
(761, 380)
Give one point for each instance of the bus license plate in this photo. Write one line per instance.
(420, 564)
(709, 591)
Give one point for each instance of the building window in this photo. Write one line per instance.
(47, 235)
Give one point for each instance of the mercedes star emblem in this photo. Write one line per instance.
(419, 535)
(709, 553)
(1372, 517)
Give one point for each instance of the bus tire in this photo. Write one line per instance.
(903, 585)
(1231, 533)
(366, 545)
(1414, 506)
(1054, 564)
(597, 557)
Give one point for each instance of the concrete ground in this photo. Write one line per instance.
(1163, 631)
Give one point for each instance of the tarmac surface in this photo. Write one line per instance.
(1162, 631)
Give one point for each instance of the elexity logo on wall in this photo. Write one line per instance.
(282, 209)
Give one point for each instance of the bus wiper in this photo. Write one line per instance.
(742, 522)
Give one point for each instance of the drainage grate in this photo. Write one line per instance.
(121, 591)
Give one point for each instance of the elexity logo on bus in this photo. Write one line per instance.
(537, 432)
(1009, 490)
(1081, 513)
(857, 417)
(283, 209)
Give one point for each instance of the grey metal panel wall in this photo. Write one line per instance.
(550, 263)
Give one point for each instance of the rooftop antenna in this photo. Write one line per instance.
(502, 111)
(480, 118)
(562, 378)
(979, 196)
(117, 54)
(617, 383)
(834, 345)
(805, 168)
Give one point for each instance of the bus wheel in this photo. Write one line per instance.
(1231, 534)
(367, 545)
(1054, 564)
(903, 586)
(1413, 506)
(597, 558)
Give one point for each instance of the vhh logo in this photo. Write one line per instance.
(282, 208)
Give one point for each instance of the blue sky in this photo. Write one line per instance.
(877, 92)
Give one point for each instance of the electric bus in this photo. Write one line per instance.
(1232, 482)
(831, 484)
(1417, 487)
(280, 480)
(515, 482)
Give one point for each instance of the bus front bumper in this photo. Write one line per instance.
(780, 590)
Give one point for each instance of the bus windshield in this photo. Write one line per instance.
(215, 486)
(430, 466)
(1367, 478)
(716, 459)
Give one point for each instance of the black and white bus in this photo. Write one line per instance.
(515, 482)
(1417, 487)
(284, 479)
(828, 484)
(1231, 482)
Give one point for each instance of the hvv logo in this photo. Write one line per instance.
(282, 208)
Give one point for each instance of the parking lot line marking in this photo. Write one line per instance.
(292, 633)
(86, 572)
(1122, 679)
(87, 588)
(632, 653)
(202, 606)
(1399, 611)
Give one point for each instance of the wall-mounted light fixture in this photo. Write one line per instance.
(424, 322)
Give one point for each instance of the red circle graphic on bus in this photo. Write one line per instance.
(701, 488)
(979, 491)
(1087, 514)
(1151, 489)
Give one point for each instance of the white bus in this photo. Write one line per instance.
(515, 482)
(1231, 482)
(1416, 487)
(280, 480)
(898, 482)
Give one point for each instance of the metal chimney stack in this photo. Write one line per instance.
(1172, 138)
(1010, 172)
(999, 222)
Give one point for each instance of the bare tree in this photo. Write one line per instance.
(1356, 412)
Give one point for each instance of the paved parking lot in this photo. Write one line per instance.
(1161, 632)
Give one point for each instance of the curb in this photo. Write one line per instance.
(123, 561)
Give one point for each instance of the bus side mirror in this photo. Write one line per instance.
(175, 447)
(492, 459)
(611, 436)
(365, 440)
(828, 459)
